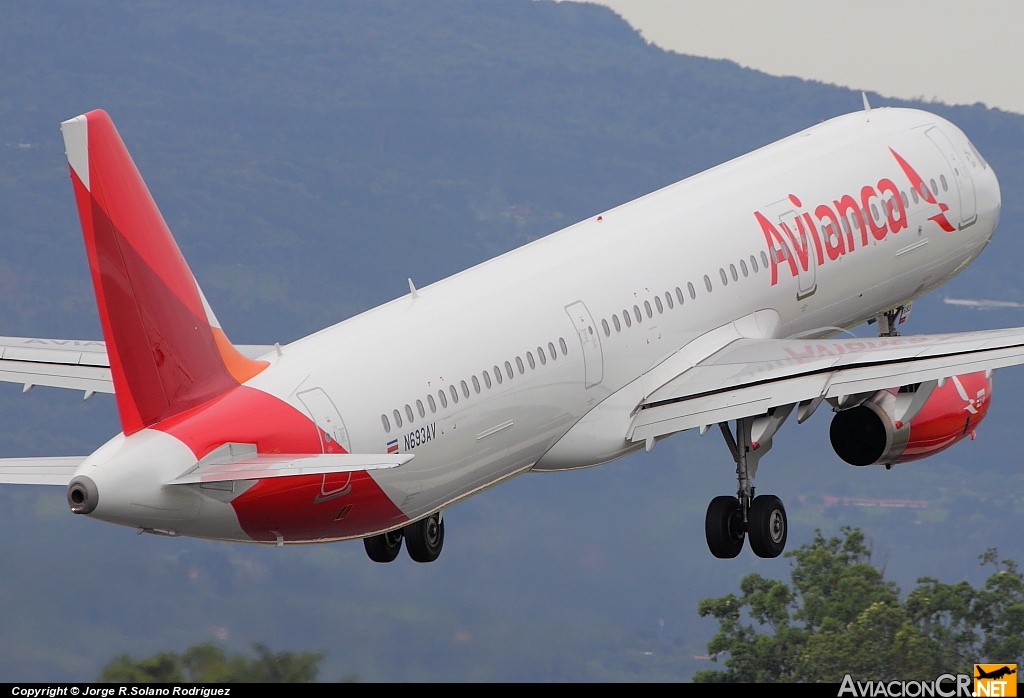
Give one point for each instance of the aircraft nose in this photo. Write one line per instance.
(83, 496)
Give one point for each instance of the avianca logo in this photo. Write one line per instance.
(834, 229)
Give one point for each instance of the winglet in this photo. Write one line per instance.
(864, 96)
(166, 350)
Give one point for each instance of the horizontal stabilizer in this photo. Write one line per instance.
(241, 462)
(53, 470)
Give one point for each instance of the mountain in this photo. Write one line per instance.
(309, 157)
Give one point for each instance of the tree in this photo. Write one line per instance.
(209, 663)
(840, 616)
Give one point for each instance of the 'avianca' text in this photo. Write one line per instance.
(834, 229)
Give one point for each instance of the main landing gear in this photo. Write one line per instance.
(423, 541)
(761, 519)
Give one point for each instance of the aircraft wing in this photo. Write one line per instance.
(68, 363)
(749, 376)
(61, 363)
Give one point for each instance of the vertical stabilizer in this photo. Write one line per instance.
(162, 340)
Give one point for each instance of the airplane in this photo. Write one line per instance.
(995, 673)
(719, 300)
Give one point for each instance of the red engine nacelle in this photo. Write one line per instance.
(869, 434)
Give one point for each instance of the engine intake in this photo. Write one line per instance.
(870, 434)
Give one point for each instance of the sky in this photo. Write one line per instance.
(950, 51)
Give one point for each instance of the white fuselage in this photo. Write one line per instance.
(574, 322)
(447, 334)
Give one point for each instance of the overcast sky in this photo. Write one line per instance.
(949, 50)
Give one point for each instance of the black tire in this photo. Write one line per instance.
(767, 526)
(424, 539)
(723, 527)
(385, 547)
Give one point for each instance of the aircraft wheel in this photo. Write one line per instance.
(723, 526)
(423, 539)
(385, 547)
(767, 526)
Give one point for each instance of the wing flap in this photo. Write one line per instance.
(751, 376)
(90, 379)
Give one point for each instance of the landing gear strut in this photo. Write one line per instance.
(730, 520)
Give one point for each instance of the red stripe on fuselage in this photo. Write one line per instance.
(315, 508)
(296, 508)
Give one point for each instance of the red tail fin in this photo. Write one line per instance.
(165, 355)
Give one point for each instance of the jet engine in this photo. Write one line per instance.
(901, 425)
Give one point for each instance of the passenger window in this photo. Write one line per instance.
(563, 346)
(626, 318)
(408, 413)
(529, 360)
(431, 403)
(707, 282)
(743, 267)
(487, 379)
(606, 328)
(398, 418)
(543, 358)
(519, 365)
(732, 270)
(725, 279)
(615, 321)
(476, 385)
(443, 398)
(658, 305)
(551, 350)
(465, 388)
(668, 297)
(679, 295)
(497, 374)
(508, 369)
(753, 263)
(647, 309)
(454, 393)
(386, 423)
(636, 311)
(419, 408)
